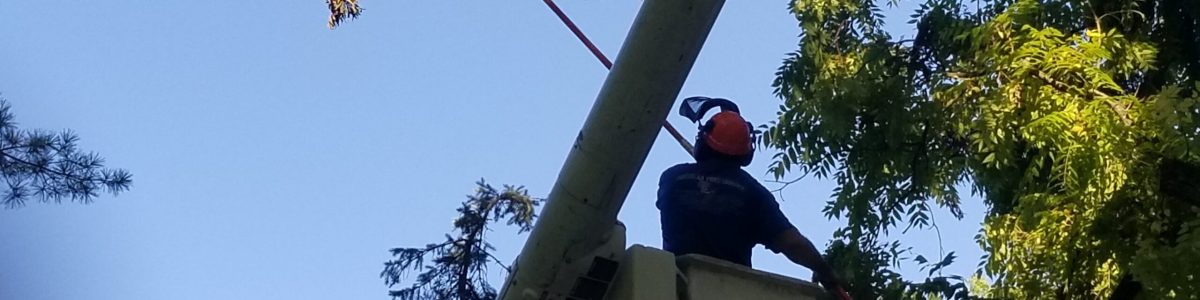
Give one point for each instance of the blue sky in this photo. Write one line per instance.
(276, 159)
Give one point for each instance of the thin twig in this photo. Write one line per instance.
(1065, 86)
(785, 184)
(941, 249)
(1123, 113)
(13, 147)
(498, 262)
(48, 170)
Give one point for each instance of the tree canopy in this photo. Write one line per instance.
(1076, 122)
(49, 167)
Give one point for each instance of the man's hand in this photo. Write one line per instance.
(832, 284)
(829, 280)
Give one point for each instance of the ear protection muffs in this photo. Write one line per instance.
(703, 150)
(704, 130)
(708, 126)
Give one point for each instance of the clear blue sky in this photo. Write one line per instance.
(276, 159)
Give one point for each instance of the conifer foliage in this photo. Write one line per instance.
(46, 166)
(457, 267)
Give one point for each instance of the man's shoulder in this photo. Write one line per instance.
(679, 168)
(744, 176)
(684, 166)
(749, 180)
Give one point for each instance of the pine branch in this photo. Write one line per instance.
(52, 165)
(459, 266)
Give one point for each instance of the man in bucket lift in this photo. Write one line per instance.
(713, 207)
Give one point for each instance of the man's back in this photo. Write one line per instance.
(714, 208)
(718, 210)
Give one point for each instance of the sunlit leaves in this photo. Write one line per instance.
(341, 11)
(1062, 115)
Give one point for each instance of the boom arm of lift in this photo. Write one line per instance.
(577, 224)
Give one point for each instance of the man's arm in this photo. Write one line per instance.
(778, 234)
(801, 251)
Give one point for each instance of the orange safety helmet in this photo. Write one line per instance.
(727, 133)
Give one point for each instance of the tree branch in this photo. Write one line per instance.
(498, 262)
(44, 169)
(785, 185)
(1123, 113)
(1063, 86)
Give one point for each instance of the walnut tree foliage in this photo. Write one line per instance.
(1075, 121)
(49, 167)
(457, 267)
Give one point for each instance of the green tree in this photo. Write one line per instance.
(457, 267)
(49, 167)
(1076, 121)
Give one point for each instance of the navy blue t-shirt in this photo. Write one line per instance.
(717, 210)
